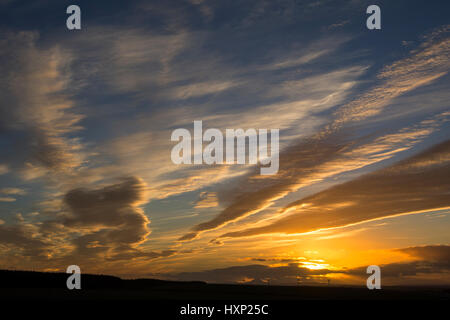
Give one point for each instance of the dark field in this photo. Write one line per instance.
(52, 286)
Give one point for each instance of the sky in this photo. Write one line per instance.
(86, 117)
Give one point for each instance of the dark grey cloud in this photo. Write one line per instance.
(436, 253)
(110, 217)
(252, 274)
(96, 225)
(36, 113)
(432, 259)
(19, 238)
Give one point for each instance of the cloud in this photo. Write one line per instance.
(19, 240)
(136, 152)
(94, 227)
(79, 111)
(252, 274)
(170, 73)
(342, 234)
(140, 62)
(410, 186)
(399, 271)
(133, 254)
(7, 199)
(3, 169)
(303, 56)
(11, 192)
(201, 89)
(206, 10)
(15, 191)
(35, 81)
(207, 200)
(426, 64)
(110, 217)
(338, 25)
(291, 272)
(330, 152)
(428, 260)
(312, 161)
(278, 260)
(436, 253)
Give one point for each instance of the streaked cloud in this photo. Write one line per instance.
(35, 81)
(313, 161)
(201, 89)
(293, 273)
(303, 163)
(207, 200)
(426, 64)
(306, 55)
(399, 189)
(12, 191)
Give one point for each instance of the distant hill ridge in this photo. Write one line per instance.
(31, 285)
(36, 279)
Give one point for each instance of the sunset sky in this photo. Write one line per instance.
(86, 117)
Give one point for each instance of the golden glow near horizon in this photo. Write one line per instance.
(315, 265)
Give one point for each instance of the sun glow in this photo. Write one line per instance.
(315, 265)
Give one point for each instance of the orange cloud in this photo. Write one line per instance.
(399, 189)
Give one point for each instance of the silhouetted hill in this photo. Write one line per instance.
(33, 279)
(48, 285)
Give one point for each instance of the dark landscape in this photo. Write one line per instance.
(52, 286)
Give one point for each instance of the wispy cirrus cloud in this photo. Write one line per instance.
(35, 82)
(172, 68)
(426, 64)
(307, 166)
(10, 193)
(13, 191)
(303, 163)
